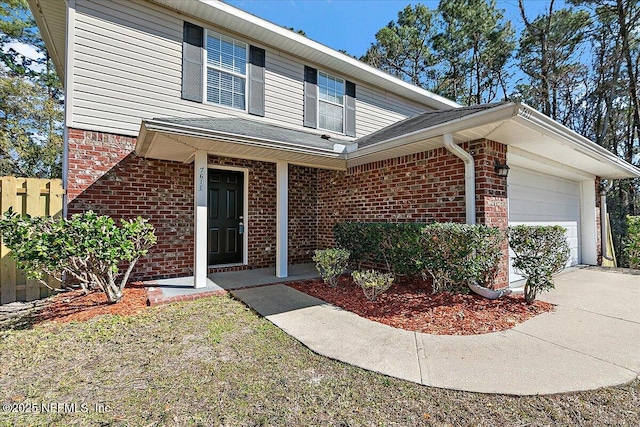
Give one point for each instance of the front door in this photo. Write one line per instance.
(225, 221)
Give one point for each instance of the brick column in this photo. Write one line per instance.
(491, 196)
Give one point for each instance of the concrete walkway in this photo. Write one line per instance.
(165, 291)
(591, 340)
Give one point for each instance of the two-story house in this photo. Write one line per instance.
(244, 142)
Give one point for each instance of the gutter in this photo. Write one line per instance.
(469, 176)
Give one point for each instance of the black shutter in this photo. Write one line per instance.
(310, 97)
(256, 81)
(350, 105)
(192, 62)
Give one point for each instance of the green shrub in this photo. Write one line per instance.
(373, 283)
(632, 244)
(540, 252)
(86, 248)
(453, 254)
(331, 263)
(457, 254)
(393, 245)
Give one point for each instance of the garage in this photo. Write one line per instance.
(542, 199)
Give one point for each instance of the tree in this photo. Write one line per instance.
(473, 48)
(403, 47)
(31, 106)
(549, 54)
(614, 100)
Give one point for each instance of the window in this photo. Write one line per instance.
(330, 103)
(226, 71)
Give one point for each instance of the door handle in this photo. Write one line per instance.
(241, 228)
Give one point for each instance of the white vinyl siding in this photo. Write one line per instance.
(128, 66)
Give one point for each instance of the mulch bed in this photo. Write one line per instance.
(410, 305)
(75, 305)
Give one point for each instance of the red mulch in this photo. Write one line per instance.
(410, 305)
(75, 305)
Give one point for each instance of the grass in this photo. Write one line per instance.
(214, 362)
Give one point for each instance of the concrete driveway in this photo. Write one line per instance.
(591, 340)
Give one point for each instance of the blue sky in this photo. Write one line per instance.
(352, 24)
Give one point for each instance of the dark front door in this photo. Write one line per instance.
(225, 223)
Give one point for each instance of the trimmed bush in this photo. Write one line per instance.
(458, 254)
(540, 252)
(86, 248)
(632, 244)
(331, 263)
(373, 283)
(452, 254)
(395, 246)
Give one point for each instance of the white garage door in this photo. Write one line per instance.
(540, 199)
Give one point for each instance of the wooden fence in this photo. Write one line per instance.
(36, 197)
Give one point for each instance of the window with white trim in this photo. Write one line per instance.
(226, 71)
(330, 102)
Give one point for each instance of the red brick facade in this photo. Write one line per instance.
(423, 187)
(91, 155)
(154, 189)
(105, 177)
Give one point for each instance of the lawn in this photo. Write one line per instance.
(215, 362)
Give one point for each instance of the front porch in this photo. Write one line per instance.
(165, 291)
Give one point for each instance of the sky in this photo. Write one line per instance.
(351, 25)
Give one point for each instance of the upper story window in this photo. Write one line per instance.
(219, 70)
(226, 71)
(330, 102)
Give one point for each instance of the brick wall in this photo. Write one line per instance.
(158, 190)
(422, 187)
(91, 155)
(303, 213)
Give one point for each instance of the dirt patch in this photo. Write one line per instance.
(76, 305)
(410, 305)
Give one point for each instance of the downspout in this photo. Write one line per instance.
(469, 176)
(604, 237)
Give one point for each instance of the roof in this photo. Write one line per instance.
(422, 121)
(256, 130)
(534, 141)
(50, 17)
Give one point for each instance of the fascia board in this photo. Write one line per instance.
(534, 119)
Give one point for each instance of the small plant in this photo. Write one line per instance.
(86, 249)
(373, 283)
(331, 263)
(540, 252)
(632, 245)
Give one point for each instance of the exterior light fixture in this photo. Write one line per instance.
(502, 169)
